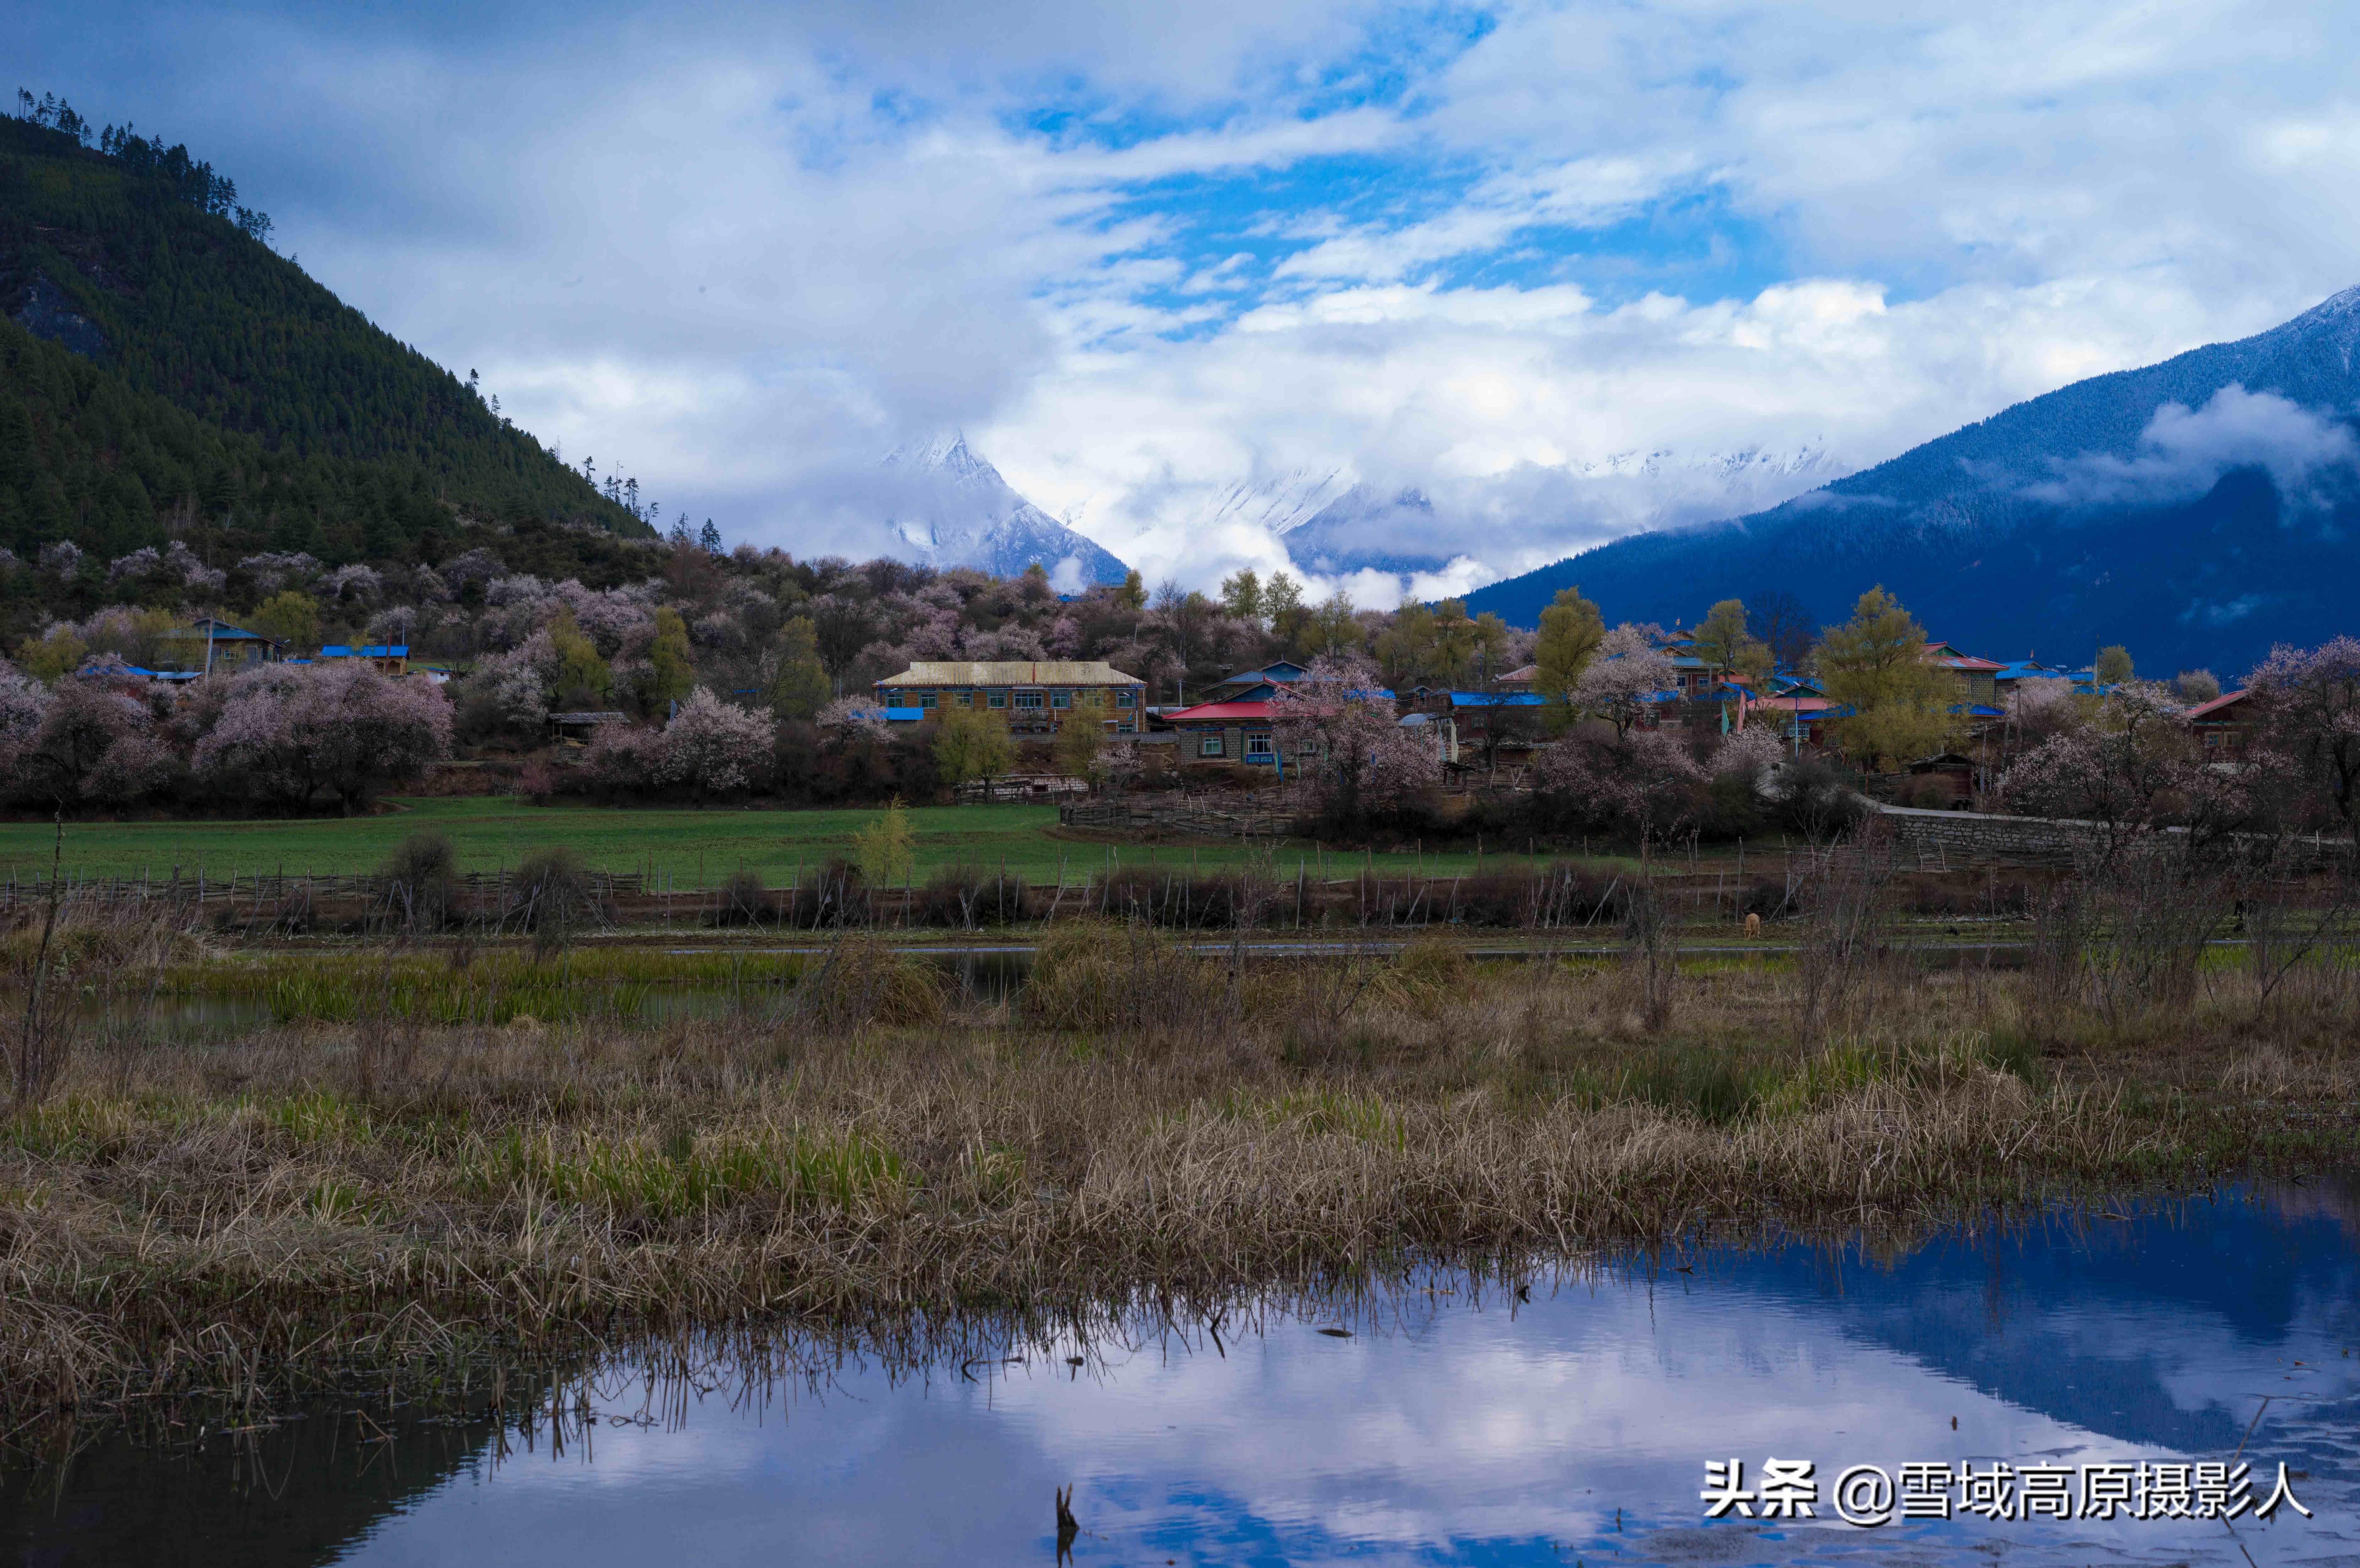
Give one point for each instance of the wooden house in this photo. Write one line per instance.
(2224, 726)
(209, 646)
(1035, 696)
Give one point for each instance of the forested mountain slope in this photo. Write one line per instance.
(163, 374)
(2197, 510)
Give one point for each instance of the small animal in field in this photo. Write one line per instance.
(1753, 925)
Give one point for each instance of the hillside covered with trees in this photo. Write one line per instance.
(165, 377)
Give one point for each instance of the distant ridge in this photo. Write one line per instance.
(2196, 510)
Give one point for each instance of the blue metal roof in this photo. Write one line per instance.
(1284, 670)
(1498, 700)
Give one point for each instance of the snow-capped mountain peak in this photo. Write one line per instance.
(952, 507)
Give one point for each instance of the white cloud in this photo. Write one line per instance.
(2184, 452)
(742, 253)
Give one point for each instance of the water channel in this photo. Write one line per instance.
(1452, 1425)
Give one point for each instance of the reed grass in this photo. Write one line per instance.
(858, 1150)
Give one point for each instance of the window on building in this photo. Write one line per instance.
(1028, 698)
(999, 699)
(1122, 698)
(1210, 746)
(1258, 745)
(925, 698)
(1061, 699)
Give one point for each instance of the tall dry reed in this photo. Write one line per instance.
(260, 1211)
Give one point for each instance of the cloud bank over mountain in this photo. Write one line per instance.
(1143, 254)
(2183, 452)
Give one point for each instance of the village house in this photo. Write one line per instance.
(1496, 725)
(1035, 696)
(1237, 720)
(1225, 732)
(1977, 678)
(2015, 672)
(1257, 685)
(1797, 710)
(2224, 725)
(393, 658)
(208, 646)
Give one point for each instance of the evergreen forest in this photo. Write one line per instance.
(164, 376)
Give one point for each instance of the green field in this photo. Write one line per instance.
(696, 848)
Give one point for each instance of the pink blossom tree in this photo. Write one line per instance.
(1619, 682)
(2308, 705)
(848, 717)
(1337, 732)
(287, 732)
(22, 702)
(715, 749)
(1643, 783)
(133, 767)
(2134, 769)
(87, 714)
(622, 759)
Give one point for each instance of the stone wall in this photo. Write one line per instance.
(1969, 838)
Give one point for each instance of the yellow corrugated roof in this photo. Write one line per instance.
(1013, 672)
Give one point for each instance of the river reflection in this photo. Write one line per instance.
(1573, 1427)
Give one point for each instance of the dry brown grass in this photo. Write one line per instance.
(248, 1214)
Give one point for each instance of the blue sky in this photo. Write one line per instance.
(1553, 265)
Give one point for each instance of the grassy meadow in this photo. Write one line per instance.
(695, 848)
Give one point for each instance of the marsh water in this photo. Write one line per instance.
(1442, 1422)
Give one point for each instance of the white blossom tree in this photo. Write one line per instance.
(715, 749)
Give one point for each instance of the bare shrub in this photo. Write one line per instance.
(1651, 949)
(1844, 936)
(421, 883)
(551, 895)
(745, 902)
(1213, 900)
(2061, 920)
(968, 897)
(2301, 951)
(2152, 905)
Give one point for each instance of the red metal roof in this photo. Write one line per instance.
(1219, 712)
(1958, 660)
(2202, 710)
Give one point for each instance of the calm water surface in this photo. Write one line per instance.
(1574, 1427)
